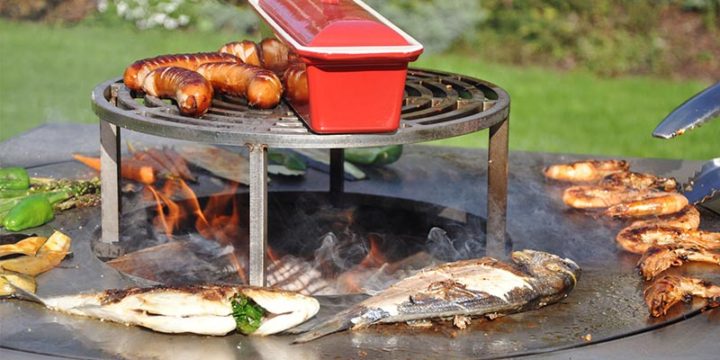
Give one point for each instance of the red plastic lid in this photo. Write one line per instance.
(337, 30)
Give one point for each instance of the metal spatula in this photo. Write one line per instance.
(694, 112)
(704, 187)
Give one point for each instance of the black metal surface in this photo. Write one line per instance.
(606, 305)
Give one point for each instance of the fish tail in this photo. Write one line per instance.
(23, 294)
(331, 326)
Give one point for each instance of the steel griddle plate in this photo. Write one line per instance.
(606, 304)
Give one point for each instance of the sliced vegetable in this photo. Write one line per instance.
(50, 254)
(131, 169)
(30, 212)
(6, 194)
(27, 246)
(374, 155)
(9, 280)
(14, 178)
(288, 159)
(247, 314)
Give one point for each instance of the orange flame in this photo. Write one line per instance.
(353, 279)
(220, 226)
(169, 221)
(190, 195)
(375, 257)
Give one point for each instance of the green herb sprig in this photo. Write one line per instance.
(247, 314)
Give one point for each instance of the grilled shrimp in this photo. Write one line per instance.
(687, 219)
(659, 258)
(639, 239)
(585, 171)
(652, 204)
(640, 181)
(599, 196)
(671, 289)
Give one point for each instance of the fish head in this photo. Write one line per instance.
(547, 266)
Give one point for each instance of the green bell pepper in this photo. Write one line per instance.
(30, 212)
(14, 178)
(382, 155)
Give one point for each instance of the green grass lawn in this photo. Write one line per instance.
(47, 73)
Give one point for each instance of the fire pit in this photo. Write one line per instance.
(603, 317)
(437, 105)
(316, 244)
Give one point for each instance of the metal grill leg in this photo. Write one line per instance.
(110, 190)
(337, 173)
(497, 189)
(258, 213)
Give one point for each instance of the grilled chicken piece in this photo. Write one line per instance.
(585, 171)
(199, 309)
(639, 239)
(475, 287)
(659, 258)
(640, 181)
(671, 289)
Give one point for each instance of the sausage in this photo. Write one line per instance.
(261, 87)
(192, 92)
(275, 55)
(245, 50)
(135, 73)
(296, 83)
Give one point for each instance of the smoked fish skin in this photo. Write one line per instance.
(476, 287)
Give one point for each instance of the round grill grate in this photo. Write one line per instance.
(436, 105)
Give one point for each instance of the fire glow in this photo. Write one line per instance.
(316, 246)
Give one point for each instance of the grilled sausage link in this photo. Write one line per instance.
(296, 83)
(192, 92)
(245, 50)
(261, 87)
(275, 55)
(135, 73)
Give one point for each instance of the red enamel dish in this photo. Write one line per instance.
(356, 62)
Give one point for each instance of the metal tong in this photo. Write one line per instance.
(704, 187)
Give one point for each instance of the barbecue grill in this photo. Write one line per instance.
(603, 317)
(437, 105)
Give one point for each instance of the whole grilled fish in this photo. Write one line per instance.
(475, 287)
(198, 309)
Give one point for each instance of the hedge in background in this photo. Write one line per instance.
(609, 37)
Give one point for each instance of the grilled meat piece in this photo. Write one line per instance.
(639, 239)
(671, 289)
(599, 196)
(686, 219)
(475, 287)
(659, 258)
(655, 203)
(640, 181)
(585, 171)
(199, 309)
